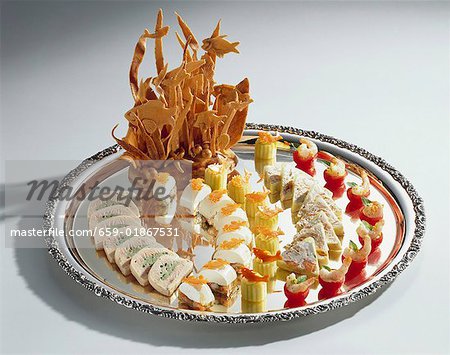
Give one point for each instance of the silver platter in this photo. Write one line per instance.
(404, 230)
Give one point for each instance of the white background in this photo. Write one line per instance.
(374, 74)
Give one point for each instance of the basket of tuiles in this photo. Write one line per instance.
(181, 113)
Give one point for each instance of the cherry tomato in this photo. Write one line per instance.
(307, 165)
(333, 180)
(325, 294)
(375, 242)
(311, 171)
(371, 220)
(291, 304)
(337, 191)
(352, 210)
(355, 200)
(331, 287)
(356, 280)
(355, 268)
(295, 297)
(374, 257)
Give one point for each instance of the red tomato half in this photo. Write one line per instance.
(295, 297)
(356, 267)
(355, 200)
(353, 210)
(333, 180)
(374, 257)
(331, 287)
(337, 191)
(375, 242)
(371, 220)
(307, 165)
(290, 304)
(311, 171)
(325, 294)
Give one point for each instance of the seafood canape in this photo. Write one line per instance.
(301, 258)
(332, 280)
(310, 195)
(305, 156)
(253, 200)
(222, 279)
(165, 193)
(332, 240)
(372, 212)
(235, 252)
(266, 146)
(334, 176)
(267, 216)
(209, 207)
(272, 181)
(312, 208)
(238, 187)
(231, 212)
(265, 263)
(356, 192)
(268, 239)
(374, 232)
(296, 289)
(168, 272)
(195, 293)
(126, 250)
(216, 176)
(192, 195)
(111, 242)
(235, 229)
(303, 185)
(358, 256)
(335, 173)
(289, 177)
(253, 286)
(316, 232)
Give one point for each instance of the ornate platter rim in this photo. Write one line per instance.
(411, 204)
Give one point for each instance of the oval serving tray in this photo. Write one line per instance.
(403, 234)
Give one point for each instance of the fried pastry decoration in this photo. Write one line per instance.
(181, 113)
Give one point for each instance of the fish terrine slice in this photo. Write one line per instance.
(143, 260)
(168, 272)
(129, 248)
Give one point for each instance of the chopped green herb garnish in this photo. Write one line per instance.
(302, 278)
(367, 225)
(366, 201)
(351, 184)
(326, 162)
(326, 267)
(353, 246)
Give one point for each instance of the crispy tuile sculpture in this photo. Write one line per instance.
(182, 113)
